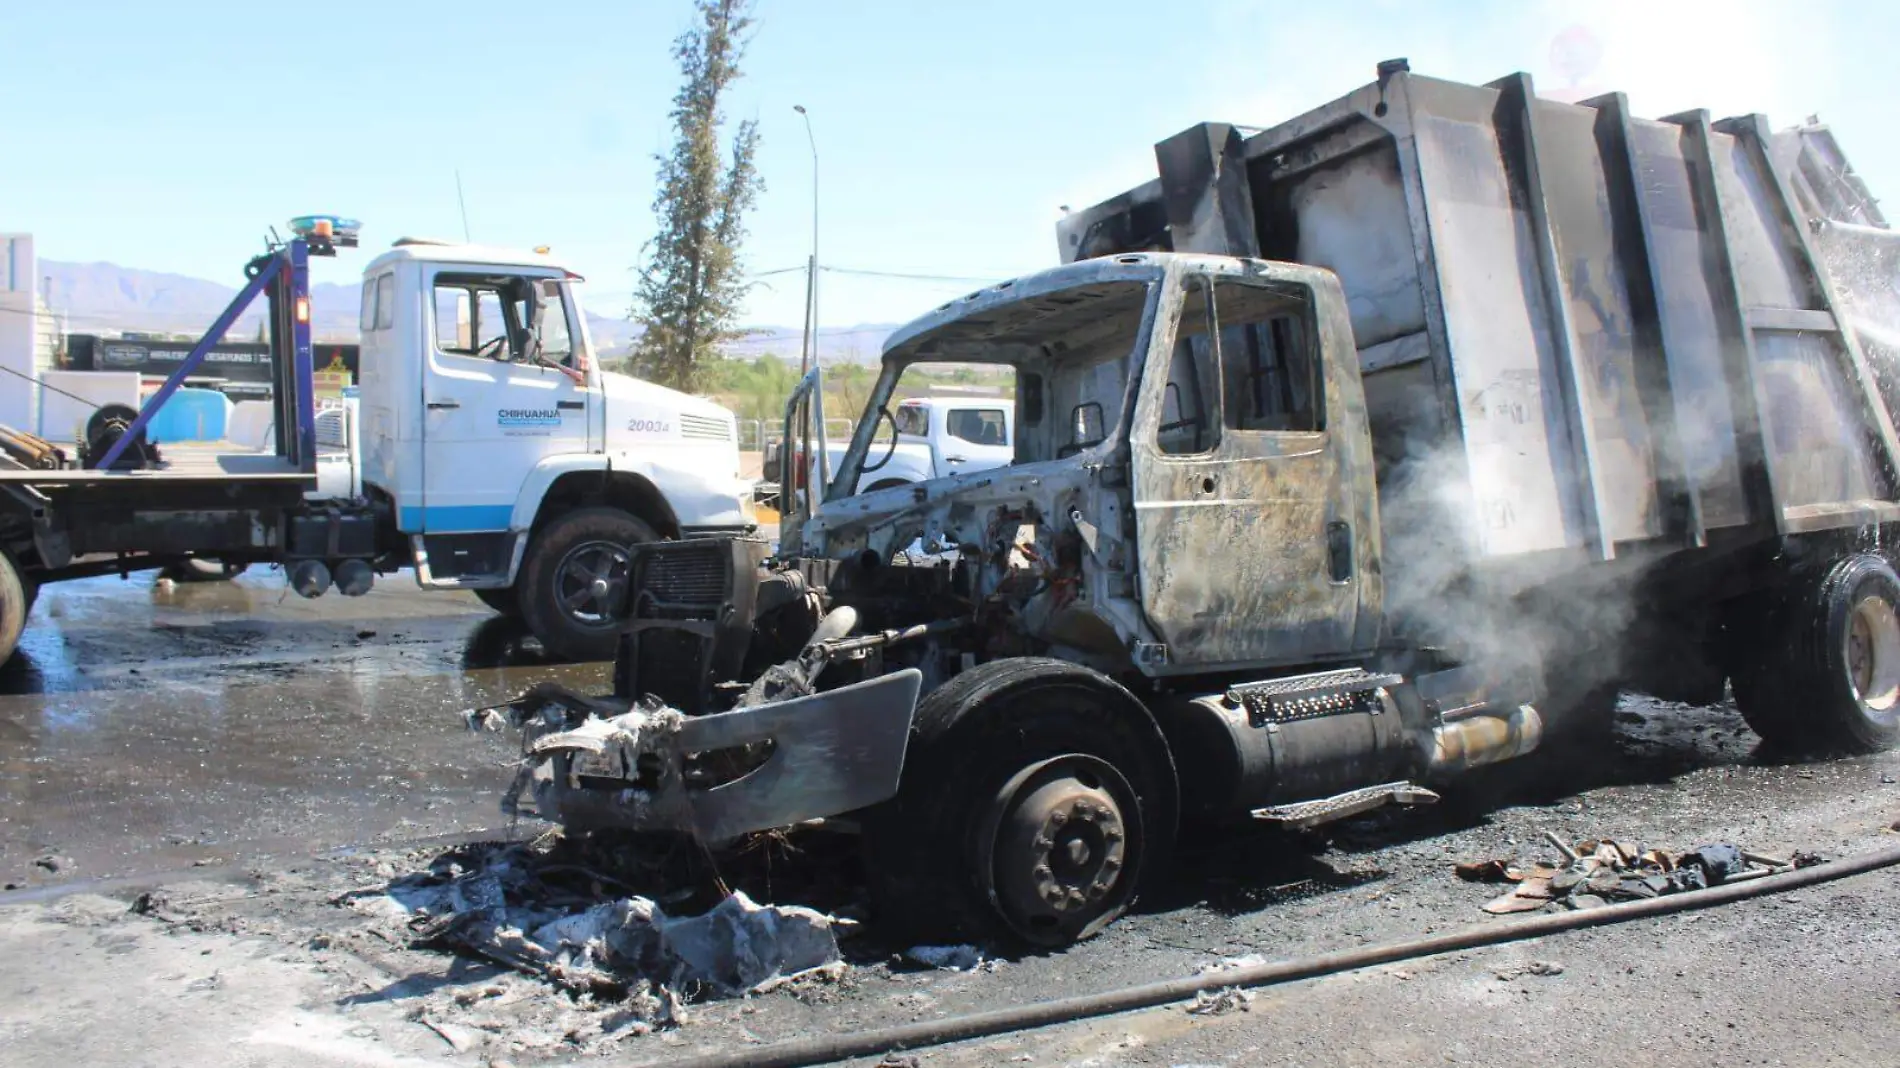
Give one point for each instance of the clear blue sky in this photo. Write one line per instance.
(167, 136)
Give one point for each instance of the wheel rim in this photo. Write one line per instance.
(1873, 652)
(591, 582)
(1063, 839)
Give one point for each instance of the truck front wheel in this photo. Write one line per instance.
(16, 600)
(1036, 796)
(1820, 669)
(573, 583)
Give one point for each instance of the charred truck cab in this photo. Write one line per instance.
(1294, 540)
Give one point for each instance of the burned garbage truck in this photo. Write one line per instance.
(1352, 454)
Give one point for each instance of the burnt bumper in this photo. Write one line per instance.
(720, 775)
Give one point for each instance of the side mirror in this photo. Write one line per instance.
(544, 291)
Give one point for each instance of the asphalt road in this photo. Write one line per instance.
(145, 726)
(251, 755)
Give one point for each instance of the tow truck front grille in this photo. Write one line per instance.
(705, 427)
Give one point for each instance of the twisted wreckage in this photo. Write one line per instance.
(1352, 454)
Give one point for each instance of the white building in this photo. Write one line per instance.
(29, 333)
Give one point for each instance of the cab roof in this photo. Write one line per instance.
(427, 250)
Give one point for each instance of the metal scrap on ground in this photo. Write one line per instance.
(497, 902)
(1218, 1002)
(951, 958)
(1593, 873)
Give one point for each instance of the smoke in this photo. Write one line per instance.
(1553, 620)
(1546, 627)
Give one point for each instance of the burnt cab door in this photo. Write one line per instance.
(1252, 474)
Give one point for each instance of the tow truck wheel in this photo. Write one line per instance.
(504, 600)
(1823, 668)
(573, 581)
(201, 569)
(15, 603)
(1036, 797)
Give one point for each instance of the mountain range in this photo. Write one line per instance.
(105, 298)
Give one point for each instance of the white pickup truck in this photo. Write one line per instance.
(931, 437)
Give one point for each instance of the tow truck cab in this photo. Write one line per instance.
(488, 428)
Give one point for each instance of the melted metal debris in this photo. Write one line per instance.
(1220, 1002)
(554, 720)
(951, 958)
(497, 906)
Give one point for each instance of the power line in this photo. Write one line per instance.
(868, 272)
(916, 277)
(780, 270)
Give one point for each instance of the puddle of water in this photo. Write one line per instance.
(139, 723)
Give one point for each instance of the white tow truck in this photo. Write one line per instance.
(485, 448)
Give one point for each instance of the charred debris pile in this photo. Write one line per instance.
(1591, 874)
(571, 909)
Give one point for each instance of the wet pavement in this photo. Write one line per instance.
(146, 729)
(147, 726)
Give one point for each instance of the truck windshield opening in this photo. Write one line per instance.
(1070, 352)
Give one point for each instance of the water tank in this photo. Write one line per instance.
(191, 415)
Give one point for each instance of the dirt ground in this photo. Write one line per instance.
(193, 777)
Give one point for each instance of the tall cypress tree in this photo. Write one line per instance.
(687, 299)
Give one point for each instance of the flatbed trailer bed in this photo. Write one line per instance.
(125, 507)
(182, 463)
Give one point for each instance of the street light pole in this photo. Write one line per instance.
(808, 347)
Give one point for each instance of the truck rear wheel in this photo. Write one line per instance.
(573, 583)
(16, 600)
(1036, 796)
(1820, 669)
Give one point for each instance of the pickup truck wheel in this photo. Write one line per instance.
(503, 600)
(573, 582)
(1037, 797)
(16, 600)
(1824, 670)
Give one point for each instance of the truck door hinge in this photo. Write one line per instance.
(1111, 476)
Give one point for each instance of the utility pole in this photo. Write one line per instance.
(808, 346)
